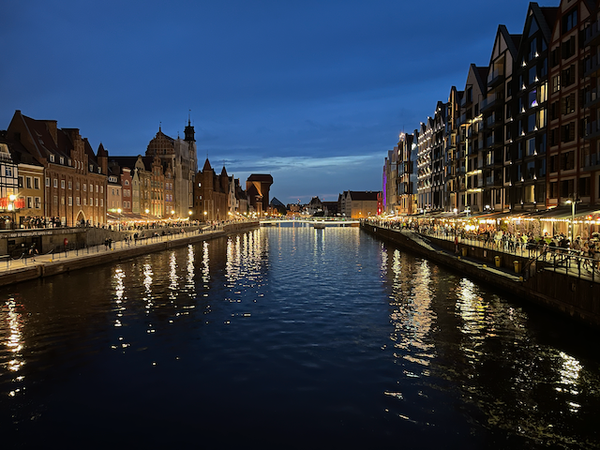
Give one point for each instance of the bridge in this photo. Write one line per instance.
(312, 221)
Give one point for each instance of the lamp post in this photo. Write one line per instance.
(147, 211)
(119, 211)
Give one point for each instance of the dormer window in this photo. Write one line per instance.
(52, 158)
(62, 160)
(91, 168)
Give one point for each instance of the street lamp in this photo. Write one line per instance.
(119, 211)
(147, 211)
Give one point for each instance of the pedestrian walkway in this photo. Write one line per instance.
(27, 261)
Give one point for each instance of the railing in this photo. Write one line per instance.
(561, 260)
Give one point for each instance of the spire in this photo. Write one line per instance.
(189, 131)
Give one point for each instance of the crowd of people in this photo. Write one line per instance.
(587, 248)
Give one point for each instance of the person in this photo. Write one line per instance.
(33, 251)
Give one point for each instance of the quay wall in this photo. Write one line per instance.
(575, 297)
(61, 263)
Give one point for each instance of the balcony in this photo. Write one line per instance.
(591, 161)
(490, 101)
(592, 34)
(495, 78)
(493, 141)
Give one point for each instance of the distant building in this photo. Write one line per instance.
(359, 204)
(257, 190)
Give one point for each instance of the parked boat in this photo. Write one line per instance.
(319, 225)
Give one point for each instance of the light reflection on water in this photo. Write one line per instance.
(358, 343)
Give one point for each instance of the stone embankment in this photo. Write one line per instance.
(55, 263)
(575, 296)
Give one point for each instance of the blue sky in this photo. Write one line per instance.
(312, 92)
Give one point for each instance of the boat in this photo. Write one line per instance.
(319, 225)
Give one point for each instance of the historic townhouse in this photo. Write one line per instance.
(573, 70)
(496, 121)
(470, 141)
(211, 195)
(179, 158)
(74, 183)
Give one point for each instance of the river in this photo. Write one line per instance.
(289, 337)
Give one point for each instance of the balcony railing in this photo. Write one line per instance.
(591, 98)
(593, 130)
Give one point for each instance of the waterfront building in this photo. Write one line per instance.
(211, 195)
(470, 141)
(20, 185)
(257, 191)
(359, 204)
(407, 176)
(74, 182)
(437, 143)
(390, 182)
(451, 152)
(424, 166)
(495, 158)
(573, 168)
(179, 157)
(528, 113)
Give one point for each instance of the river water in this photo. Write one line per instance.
(289, 337)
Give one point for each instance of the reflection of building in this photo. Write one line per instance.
(257, 190)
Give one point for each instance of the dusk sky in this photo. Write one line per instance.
(313, 92)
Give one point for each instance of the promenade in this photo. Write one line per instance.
(29, 267)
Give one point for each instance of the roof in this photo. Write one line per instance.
(363, 195)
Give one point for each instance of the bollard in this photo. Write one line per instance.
(497, 259)
(517, 266)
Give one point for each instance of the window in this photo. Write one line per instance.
(51, 158)
(530, 146)
(77, 201)
(567, 133)
(56, 182)
(569, 20)
(70, 185)
(37, 203)
(36, 183)
(47, 181)
(556, 83)
(29, 202)
(84, 201)
(566, 188)
(584, 187)
(20, 181)
(541, 118)
(70, 201)
(62, 159)
(62, 200)
(28, 182)
(84, 187)
(62, 184)
(567, 161)
(532, 77)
